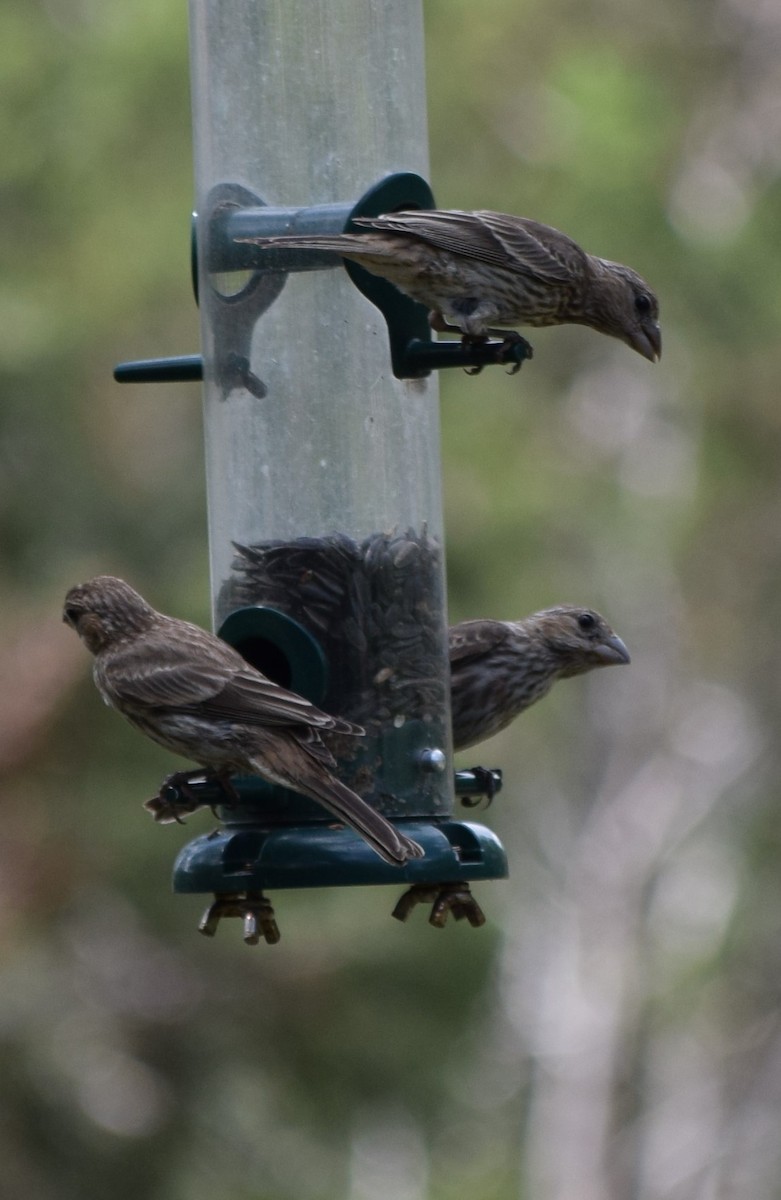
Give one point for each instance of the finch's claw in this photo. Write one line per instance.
(468, 340)
(477, 783)
(516, 350)
(228, 790)
(445, 898)
(512, 349)
(489, 785)
(163, 812)
(178, 795)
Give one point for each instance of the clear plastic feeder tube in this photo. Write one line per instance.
(322, 468)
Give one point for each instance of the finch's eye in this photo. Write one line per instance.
(586, 622)
(71, 615)
(643, 304)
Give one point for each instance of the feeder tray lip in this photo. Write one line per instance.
(322, 855)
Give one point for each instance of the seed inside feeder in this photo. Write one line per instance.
(374, 607)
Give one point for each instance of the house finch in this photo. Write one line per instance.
(195, 695)
(499, 668)
(478, 270)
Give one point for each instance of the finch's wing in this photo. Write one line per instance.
(513, 243)
(252, 699)
(473, 640)
(181, 666)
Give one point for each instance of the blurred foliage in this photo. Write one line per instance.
(615, 1031)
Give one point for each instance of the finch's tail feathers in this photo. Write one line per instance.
(381, 835)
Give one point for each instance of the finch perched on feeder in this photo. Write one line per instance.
(500, 668)
(480, 273)
(192, 693)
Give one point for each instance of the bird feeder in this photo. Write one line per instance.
(321, 433)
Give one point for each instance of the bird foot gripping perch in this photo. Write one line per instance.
(478, 784)
(510, 349)
(179, 796)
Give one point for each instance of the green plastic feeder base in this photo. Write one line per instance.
(242, 859)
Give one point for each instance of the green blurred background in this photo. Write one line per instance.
(615, 1031)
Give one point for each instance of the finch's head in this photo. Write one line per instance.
(106, 610)
(577, 639)
(622, 305)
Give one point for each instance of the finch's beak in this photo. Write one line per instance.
(612, 651)
(647, 341)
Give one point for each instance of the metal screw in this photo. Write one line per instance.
(433, 760)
